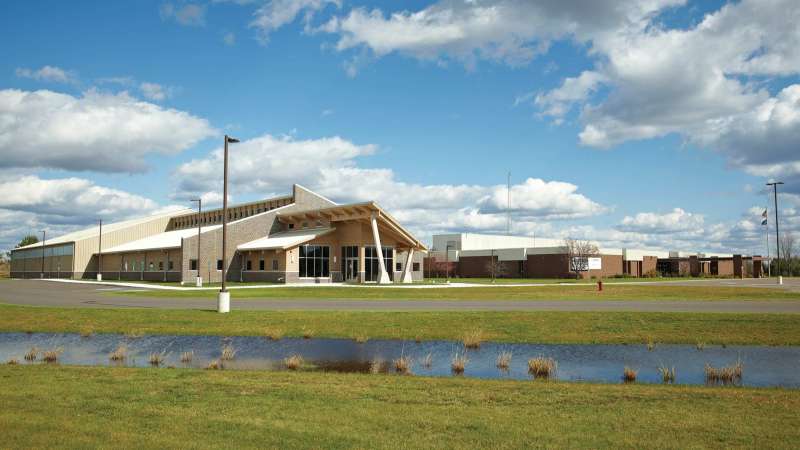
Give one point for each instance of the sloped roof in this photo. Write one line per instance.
(169, 239)
(285, 240)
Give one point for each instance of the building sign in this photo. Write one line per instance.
(579, 264)
(595, 263)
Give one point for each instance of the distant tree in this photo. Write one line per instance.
(579, 252)
(27, 240)
(788, 246)
(495, 267)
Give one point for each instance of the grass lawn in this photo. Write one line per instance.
(567, 292)
(51, 406)
(541, 327)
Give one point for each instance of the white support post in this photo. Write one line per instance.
(383, 277)
(407, 269)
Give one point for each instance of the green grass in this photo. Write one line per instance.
(72, 407)
(542, 327)
(436, 280)
(569, 292)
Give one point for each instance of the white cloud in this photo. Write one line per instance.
(155, 91)
(189, 14)
(677, 220)
(48, 73)
(62, 205)
(558, 102)
(229, 38)
(97, 131)
(268, 165)
(274, 14)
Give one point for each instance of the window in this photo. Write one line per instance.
(261, 264)
(398, 267)
(192, 264)
(274, 264)
(291, 226)
(161, 265)
(415, 267)
(219, 264)
(152, 267)
(314, 261)
(171, 265)
(249, 265)
(371, 265)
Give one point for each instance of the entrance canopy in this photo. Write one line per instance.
(285, 240)
(356, 211)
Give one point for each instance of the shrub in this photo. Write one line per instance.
(541, 367)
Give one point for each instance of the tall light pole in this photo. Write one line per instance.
(199, 279)
(44, 235)
(100, 253)
(777, 229)
(224, 298)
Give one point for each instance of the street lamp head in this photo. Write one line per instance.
(231, 140)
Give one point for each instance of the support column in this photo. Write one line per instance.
(383, 277)
(407, 269)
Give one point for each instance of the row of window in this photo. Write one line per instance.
(34, 253)
(139, 266)
(217, 218)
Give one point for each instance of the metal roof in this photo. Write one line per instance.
(285, 240)
(169, 239)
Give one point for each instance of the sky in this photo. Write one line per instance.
(635, 123)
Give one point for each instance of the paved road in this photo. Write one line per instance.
(43, 293)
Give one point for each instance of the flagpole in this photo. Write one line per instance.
(766, 226)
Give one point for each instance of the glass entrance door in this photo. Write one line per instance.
(350, 263)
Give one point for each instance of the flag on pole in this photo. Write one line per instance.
(764, 215)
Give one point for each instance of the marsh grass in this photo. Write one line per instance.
(12, 362)
(629, 374)
(473, 338)
(293, 362)
(119, 354)
(228, 353)
(361, 338)
(667, 374)
(134, 334)
(650, 344)
(157, 359)
(32, 354)
(724, 375)
(503, 360)
(541, 367)
(426, 361)
(187, 357)
(51, 356)
(458, 363)
(308, 333)
(402, 365)
(700, 346)
(273, 334)
(215, 365)
(87, 332)
(377, 365)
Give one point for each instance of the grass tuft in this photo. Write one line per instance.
(32, 354)
(51, 356)
(458, 363)
(86, 331)
(650, 344)
(541, 367)
(119, 354)
(187, 357)
(228, 353)
(157, 359)
(308, 333)
(426, 361)
(215, 365)
(629, 375)
(293, 362)
(361, 338)
(667, 374)
(273, 334)
(12, 362)
(402, 365)
(377, 365)
(724, 375)
(503, 360)
(700, 346)
(473, 338)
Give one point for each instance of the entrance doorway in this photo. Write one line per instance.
(350, 263)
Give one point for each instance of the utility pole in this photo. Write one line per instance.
(777, 229)
(199, 279)
(44, 235)
(224, 298)
(766, 234)
(100, 253)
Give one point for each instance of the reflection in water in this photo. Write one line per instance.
(760, 366)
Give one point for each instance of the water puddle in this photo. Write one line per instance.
(761, 365)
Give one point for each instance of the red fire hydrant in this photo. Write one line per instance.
(600, 285)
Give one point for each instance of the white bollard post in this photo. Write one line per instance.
(199, 282)
(780, 279)
(224, 302)
(99, 277)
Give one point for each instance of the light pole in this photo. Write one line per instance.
(100, 253)
(44, 235)
(224, 298)
(199, 279)
(447, 262)
(777, 229)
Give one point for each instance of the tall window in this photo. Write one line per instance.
(192, 264)
(371, 266)
(261, 264)
(314, 261)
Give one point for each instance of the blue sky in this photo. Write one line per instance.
(626, 122)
